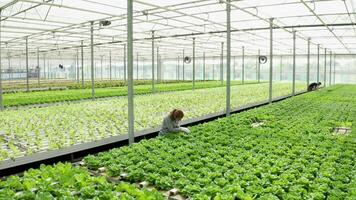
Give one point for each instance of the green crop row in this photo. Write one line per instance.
(13, 86)
(63, 181)
(41, 97)
(30, 130)
(293, 154)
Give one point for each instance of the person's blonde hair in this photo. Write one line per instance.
(176, 114)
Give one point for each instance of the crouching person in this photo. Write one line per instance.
(314, 86)
(171, 123)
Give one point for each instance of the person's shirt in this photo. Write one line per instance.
(312, 86)
(169, 125)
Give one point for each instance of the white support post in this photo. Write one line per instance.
(177, 69)
(318, 65)
(271, 60)
(330, 69)
(308, 64)
(193, 63)
(136, 65)
(110, 66)
(228, 58)
(222, 64)
(281, 69)
(334, 69)
(259, 67)
(243, 66)
(92, 59)
(294, 59)
(158, 66)
(324, 84)
(125, 64)
(82, 64)
(101, 67)
(178, 72)
(213, 72)
(38, 66)
(10, 68)
(204, 66)
(77, 66)
(234, 69)
(143, 68)
(1, 98)
(131, 127)
(153, 61)
(27, 70)
(44, 66)
(183, 66)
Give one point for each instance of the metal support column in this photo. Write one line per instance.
(334, 69)
(143, 69)
(324, 84)
(213, 72)
(234, 69)
(77, 66)
(178, 78)
(294, 52)
(136, 65)
(177, 70)
(308, 64)
(204, 66)
(243, 66)
(82, 64)
(259, 67)
(281, 69)
(38, 66)
(228, 58)
(271, 60)
(330, 69)
(125, 66)
(27, 70)
(158, 66)
(153, 61)
(101, 67)
(131, 127)
(92, 58)
(110, 66)
(193, 63)
(318, 65)
(10, 68)
(44, 66)
(183, 66)
(1, 98)
(222, 64)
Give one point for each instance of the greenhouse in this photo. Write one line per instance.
(178, 100)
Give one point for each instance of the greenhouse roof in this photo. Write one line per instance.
(61, 25)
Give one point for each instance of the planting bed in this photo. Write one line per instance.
(29, 130)
(293, 155)
(119, 89)
(63, 181)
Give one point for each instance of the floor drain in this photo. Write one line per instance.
(342, 131)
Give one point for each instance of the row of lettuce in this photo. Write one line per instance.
(52, 96)
(63, 181)
(293, 154)
(17, 86)
(26, 131)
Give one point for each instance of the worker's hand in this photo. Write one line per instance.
(185, 130)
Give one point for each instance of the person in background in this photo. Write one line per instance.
(314, 86)
(171, 123)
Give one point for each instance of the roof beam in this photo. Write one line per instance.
(327, 27)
